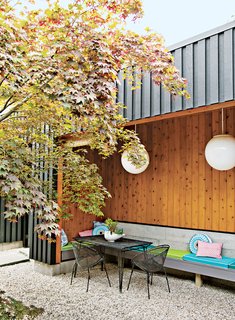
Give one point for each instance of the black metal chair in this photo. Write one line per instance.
(87, 257)
(152, 262)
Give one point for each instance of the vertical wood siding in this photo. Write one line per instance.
(79, 221)
(179, 188)
(208, 66)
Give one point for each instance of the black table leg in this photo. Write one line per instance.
(120, 269)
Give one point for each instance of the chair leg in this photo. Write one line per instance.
(151, 281)
(148, 280)
(88, 279)
(104, 266)
(132, 269)
(73, 272)
(167, 281)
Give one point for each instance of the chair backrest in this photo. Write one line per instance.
(159, 253)
(153, 260)
(86, 255)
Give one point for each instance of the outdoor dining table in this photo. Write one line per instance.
(118, 248)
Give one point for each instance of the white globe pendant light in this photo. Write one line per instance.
(131, 168)
(220, 151)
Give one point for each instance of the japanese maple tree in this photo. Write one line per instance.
(58, 75)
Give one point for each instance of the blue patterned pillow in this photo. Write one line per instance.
(98, 224)
(100, 230)
(193, 241)
(64, 238)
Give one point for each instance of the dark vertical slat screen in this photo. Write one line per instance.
(31, 235)
(2, 222)
(8, 229)
(19, 228)
(40, 249)
(13, 232)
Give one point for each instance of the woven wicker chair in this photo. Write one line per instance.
(151, 262)
(87, 257)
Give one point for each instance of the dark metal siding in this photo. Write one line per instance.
(208, 65)
(40, 250)
(10, 232)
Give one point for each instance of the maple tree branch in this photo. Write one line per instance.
(8, 110)
(12, 108)
(3, 79)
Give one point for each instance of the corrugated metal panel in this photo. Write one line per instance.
(206, 61)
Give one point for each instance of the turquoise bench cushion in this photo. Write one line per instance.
(177, 254)
(232, 266)
(221, 263)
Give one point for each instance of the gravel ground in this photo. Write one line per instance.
(61, 300)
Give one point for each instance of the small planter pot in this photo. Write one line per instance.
(112, 236)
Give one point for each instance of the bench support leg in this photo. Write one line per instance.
(198, 280)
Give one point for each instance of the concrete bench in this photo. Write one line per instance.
(183, 260)
(67, 252)
(201, 266)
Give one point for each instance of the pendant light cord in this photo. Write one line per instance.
(222, 118)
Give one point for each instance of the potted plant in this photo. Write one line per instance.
(114, 233)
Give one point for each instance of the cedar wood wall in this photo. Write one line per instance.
(179, 188)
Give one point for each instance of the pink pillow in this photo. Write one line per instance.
(85, 233)
(212, 250)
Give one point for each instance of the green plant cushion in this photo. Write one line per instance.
(176, 254)
(69, 246)
(225, 262)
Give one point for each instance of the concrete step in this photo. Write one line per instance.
(14, 256)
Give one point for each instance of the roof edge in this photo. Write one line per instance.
(202, 36)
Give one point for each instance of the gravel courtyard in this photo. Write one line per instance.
(61, 300)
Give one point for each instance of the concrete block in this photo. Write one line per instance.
(55, 269)
(66, 266)
(46, 269)
(11, 245)
(176, 237)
